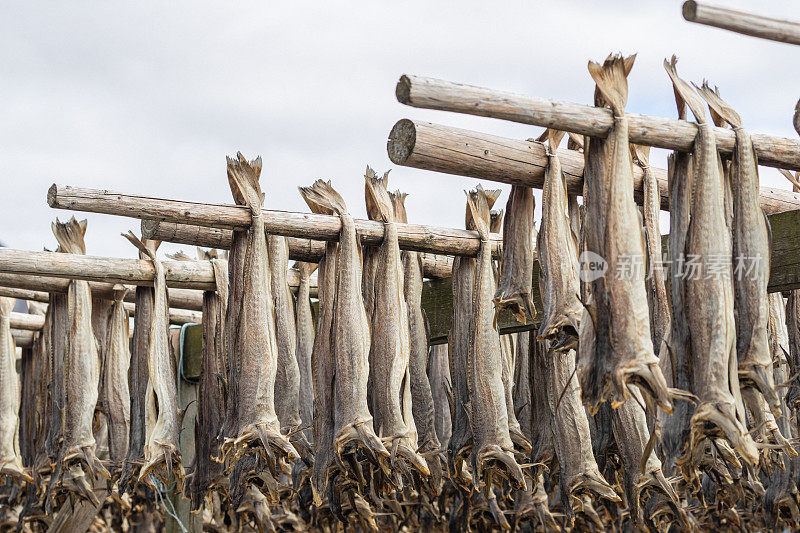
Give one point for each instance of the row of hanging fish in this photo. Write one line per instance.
(646, 399)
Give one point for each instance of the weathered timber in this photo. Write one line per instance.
(27, 322)
(445, 241)
(783, 31)
(672, 134)
(22, 338)
(25, 294)
(784, 272)
(479, 155)
(434, 266)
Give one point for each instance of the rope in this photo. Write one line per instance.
(160, 490)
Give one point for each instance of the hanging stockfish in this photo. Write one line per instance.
(10, 458)
(618, 314)
(558, 258)
(493, 449)
(117, 401)
(371, 253)
(390, 344)
(751, 259)
(255, 449)
(287, 380)
(32, 396)
(162, 456)
(439, 378)
(139, 385)
(349, 343)
(208, 469)
(422, 401)
(304, 327)
(514, 285)
(709, 304)
(77, 467)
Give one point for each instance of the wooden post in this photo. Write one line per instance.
(479, 155)
(779, 30)
(434, 266)
(445, 241)
(672, 134)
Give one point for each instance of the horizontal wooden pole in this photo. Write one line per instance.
(783, 31)
(479, 155)
(672, 134)
(25, 294)
(22, 338)
(27, 322)
(434, 266)
(446, 241)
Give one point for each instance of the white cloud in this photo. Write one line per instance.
(150, 97)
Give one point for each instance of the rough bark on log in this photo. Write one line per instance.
(671, 134)
(478, 155)
(783, 31)
(307, 250)
(27, 322)
(445, 241)
(22, 338)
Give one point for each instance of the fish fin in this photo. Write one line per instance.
(684, 94)
(141, 245)
(399, 204)
(243, 176)
(322, 198)
(478, 208)
(379, 203)
(718, 105)
(180, 255)
(611, 79)
(70, 235)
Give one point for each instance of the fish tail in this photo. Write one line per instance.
(399, 204)
(7, 305)
(479, 205)
(305, 269)
(684, 94)
(612, 80)
(376, 194)
(322, 198)
(145, 250)
(554, 139)
(505, 460)
(718, 105)
(243, 176)
(70, 235)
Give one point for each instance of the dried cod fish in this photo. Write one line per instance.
(117, 401)
(305, 343)
(439, 377)
(709, 303)
(492, 450)
(77, 466)
(422, 402)
(558, 257)
(514, 285)
(350, 342)
(255, 450)
(10, 458)
(208, 469)
(390, 343)
(287, 379)
(619, 314)
(162, 455)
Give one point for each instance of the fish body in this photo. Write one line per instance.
(514, 286)
(117, 401)
(304, 327)
(10, 458)
(439, 377)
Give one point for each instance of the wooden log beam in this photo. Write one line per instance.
(26, 322)
(672, 134)
(22, 338)
(445, 241)
(783, 31)
(25, 294)
(434, 266)
(478, 155)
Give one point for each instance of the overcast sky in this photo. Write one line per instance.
(149, 97)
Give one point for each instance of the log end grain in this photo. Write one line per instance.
(403, 90)
(401, 142)
(689, 10)
(149, 228)
(52, 195)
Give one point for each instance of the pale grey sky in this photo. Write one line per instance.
(148, 97)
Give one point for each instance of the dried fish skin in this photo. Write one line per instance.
(709, 302)
(258, 437)
(350, 341)
(522, 395)
(514, 286)
(304, 326)
(751, 248)
(10, 458)
(162, 456)
(390, 342)
(493, 449)
(558, 256)
(287, 379)
(117, 400)
(208, 469)
(616, 237)
(439, 377)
